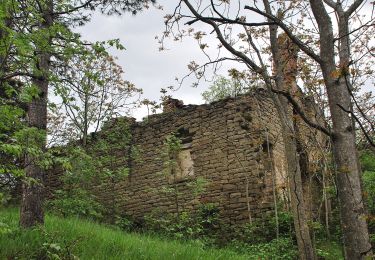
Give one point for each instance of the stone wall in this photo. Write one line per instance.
(225, 148)
(234, 145)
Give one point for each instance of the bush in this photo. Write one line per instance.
(264, 230)
(125, 223)
(368, 177)
(282, 248)
(181, 226)
(4, 229)
(203, 224)
(4, 198)
(78, 203)
(38, 244)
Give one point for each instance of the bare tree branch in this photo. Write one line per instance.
(303, 46)
(353, 7)
(369, 139)
(300, 112)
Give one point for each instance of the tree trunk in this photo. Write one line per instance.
(31, 213)
(352, 210)
(285, 60)
(355, 232)
(85, 118)
(285, 79)
(32, 191)
(305, 245)
(353, 218)
(3, 42)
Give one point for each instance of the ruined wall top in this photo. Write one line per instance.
(171, 104)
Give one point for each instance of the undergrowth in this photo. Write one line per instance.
(73, 238)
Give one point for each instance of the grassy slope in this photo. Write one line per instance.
(93, 241)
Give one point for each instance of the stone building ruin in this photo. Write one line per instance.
(235, 145)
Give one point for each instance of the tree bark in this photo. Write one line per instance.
(353, 220)
(3, 42)
(304, 242)
(32, 191)
(85, 118)
(31, 213)
(305, 246)
(285, 77)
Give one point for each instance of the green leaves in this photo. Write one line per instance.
(198, 185)
(31, 138)
(4, 228)
(367, 159)
(11, 149)
(94, 167)
(77, 202)
(116, 43)
(22, 43)
(172, 144)
(29, 93)
(224, 88)
(9, 119)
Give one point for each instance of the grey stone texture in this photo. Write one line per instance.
(234, 145)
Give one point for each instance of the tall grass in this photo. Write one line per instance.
(69, 237)
(88, 240)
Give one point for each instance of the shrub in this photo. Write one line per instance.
(203, 224)
(282, 248)
(264, 230)
(4, 229)
(78, 203)
(181, 226)
(37, 244)
(125, 223)
(3, 199)
(368, 177)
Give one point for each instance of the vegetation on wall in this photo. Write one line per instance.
(91, 168)
(223, 87)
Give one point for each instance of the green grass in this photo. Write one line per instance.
(89, 240)
(62, 238)
(330, 250)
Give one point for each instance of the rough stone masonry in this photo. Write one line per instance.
(234, 145)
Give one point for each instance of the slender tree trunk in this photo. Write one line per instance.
(305, 245)
(274, 191)
(325, 198)
(285, 72)
(32, 189)
(353, 217)
(3, 44)
(355, 232)
(176, 195)
(31, 213)
(85, 118)
(352, 210)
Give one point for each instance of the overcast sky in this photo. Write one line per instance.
(143, 63)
